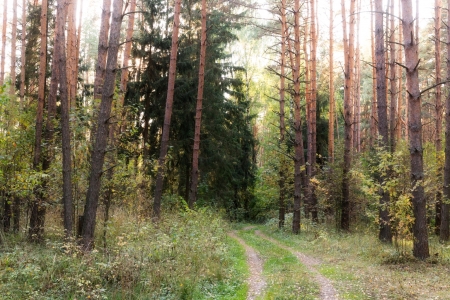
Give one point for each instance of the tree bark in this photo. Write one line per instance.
(357, 88)
(438, 141)
(77, 65)
(281, 172)
(420, 233)
(127, 52)
(198, 112)
(12, 87)
(22, 53)
(332, 104)
(41, 87)
(445, 216)
(72, 62)
(313, 112)
(168, 114)
(60, 58)
(349, 50)
(402, 128)
(5, 23)
(298, 142)
(37, 204)
(393, 81)
(102, 50)
(385, 233)
(373, 113)
(102, 132)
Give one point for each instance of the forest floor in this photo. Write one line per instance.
(318, 264)
(199, 255)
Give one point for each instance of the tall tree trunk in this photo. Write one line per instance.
(385, 233)
(373, 113)
(102, 132)
(282, 174)
(357, 88)
(126, 56)
(402, 128)
(393, 81)
(307, 83)
(5, 23)
(168, 113)
(332, 104)
(349, 51)
(22, 53)
(420, 233)
(115, 130)
(80, 18)
(60, 58)
(445, 216)
(298, 142)
(198, 112)
(312, 112)
(38, 208)
(102, 50)
(72, 62)
(12, 88)
(438, 141)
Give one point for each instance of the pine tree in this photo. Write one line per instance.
(102, 129)
(420, 233)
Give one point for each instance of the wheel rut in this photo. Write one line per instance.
(327, 290)
(256, 281)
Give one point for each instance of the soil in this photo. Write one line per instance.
(256, 281)
(327, 290)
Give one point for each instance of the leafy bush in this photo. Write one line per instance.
(182, 257)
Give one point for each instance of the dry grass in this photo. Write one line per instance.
(363, 268)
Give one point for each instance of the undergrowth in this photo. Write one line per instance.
(361, 267)
(286, 277)
(186, 256)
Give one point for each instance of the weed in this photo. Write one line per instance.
(184, 257)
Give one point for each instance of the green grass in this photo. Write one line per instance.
(187, 256)
(363, 268)
(286, 278)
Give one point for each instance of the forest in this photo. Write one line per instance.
(212, 149)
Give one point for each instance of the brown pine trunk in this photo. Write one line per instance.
(60, 58)
(312, 112)
(348, 119)
(37, 214)
(393, 81)
(22, 53)
(401, 123)
(373, 113)
(12, 87)
(102, 50)
(385, 233)
(445, 224)
(308, 166)
(299, 175)
(198, 112)
(438, 141)
(127, 52)
(332, 104)
(168, 114)
(72, 52)
(420, 233)
(5, 23)
(80, 18)
(102, 131)
(357, 89)
(282, 174)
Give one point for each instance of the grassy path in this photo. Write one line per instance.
(327, 290)
(256, 282)
(279, 272)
